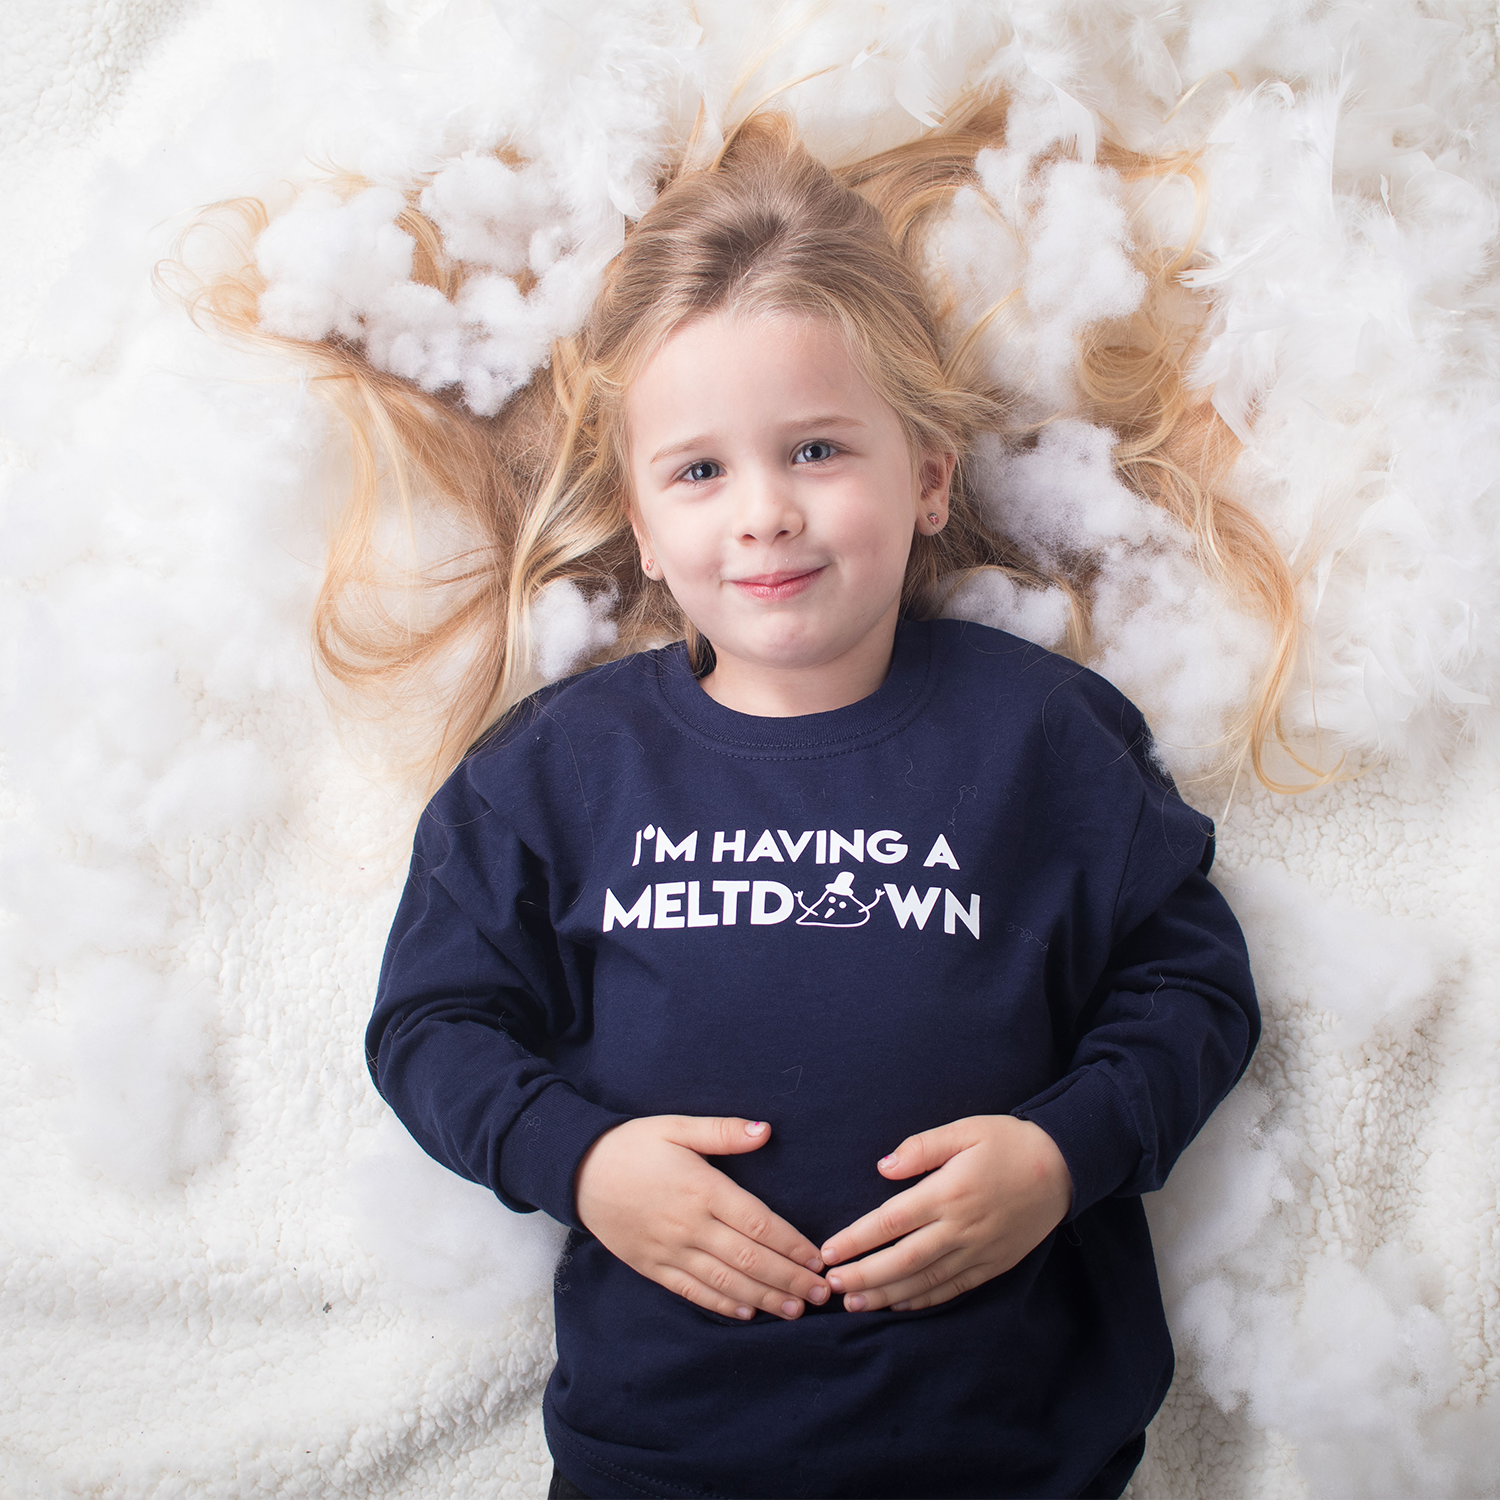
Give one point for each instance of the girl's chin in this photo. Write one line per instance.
(786, 658)
(795, 640)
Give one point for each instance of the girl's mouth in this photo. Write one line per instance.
(776, 586)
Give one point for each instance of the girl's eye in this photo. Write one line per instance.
(698, 473)
(815, 452)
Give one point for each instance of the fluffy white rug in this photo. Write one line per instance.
(226, 1272)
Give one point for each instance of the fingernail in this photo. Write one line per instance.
(815, 1264)
(743, 1312)
(836, 1283)
(819, 1295)
(790, 1308)
(856, 1303)
(755, 1127)
(901, 1306)
(888, 1161)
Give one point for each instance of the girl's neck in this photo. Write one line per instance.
(777, 692)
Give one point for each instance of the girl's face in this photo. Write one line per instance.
(776, 496)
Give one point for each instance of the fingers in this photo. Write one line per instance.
(923, 1152)
(996, 1188)
(701, 1295)
(754, 1259)
(646, 1191)
(715, 1135)
(940, 1281)
(894, 1218)
(732, 1290)
(928, 1149)
(748, 1216)
(748, 1257)
(906, 1259)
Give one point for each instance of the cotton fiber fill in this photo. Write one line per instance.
(1295, 1281)
(570, 627)
(459, 1253)
(1336, 250)
(226, 1271)
(1169, 639)
(343, 266)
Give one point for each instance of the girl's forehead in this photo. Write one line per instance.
(755, 363)
(741, 331)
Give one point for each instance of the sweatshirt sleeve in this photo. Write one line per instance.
(1172, 1021)
(471, 993)
(1170, 1032)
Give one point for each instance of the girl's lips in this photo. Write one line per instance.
(774, 586)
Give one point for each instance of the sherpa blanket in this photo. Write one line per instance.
(226, 1271)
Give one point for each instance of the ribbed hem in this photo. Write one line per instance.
(1086, 1115)
(541, 1151)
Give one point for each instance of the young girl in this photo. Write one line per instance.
(841, 975)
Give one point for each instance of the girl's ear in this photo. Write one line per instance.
(934, 482)
(643, 542)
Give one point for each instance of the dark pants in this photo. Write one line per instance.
(1108, 1484)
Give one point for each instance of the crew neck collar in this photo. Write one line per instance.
(889, 708)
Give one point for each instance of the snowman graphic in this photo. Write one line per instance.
(838, 906)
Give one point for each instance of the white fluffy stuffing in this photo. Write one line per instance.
(450, 1245)
(213, 1227)
(1289, 1301)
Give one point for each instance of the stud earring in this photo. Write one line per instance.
(647, 563)
(932, 516)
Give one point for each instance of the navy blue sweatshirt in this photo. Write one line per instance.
(973, 892)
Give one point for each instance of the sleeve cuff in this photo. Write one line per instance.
(1087, 1117)
(541, 1151)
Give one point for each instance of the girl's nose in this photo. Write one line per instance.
(768, 510)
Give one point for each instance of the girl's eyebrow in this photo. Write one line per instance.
(796, 424)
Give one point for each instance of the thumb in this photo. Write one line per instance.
(718, 1135)
(926, 1150)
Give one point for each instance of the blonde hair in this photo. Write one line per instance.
(541, 492)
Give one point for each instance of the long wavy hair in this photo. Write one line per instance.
(539, 493)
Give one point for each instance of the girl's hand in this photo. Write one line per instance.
(645, 1192)
(999, 1189)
